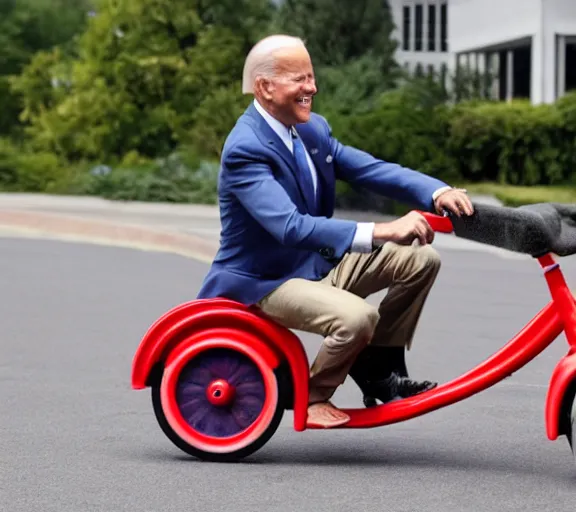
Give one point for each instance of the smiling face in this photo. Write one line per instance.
(288, 94)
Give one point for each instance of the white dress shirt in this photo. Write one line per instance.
(363, 238)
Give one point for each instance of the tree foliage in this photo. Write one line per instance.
(143, 69)
(148, 90)
(351, 47)
(27, 27)
(339, 31)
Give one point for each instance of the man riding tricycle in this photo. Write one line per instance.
(224, 367)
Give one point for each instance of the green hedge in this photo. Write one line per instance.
(178, 178)
(510, 143)
(404, 128)
(513, 143)
(517, 144)
(23, 170)
(472, 142)
(181, 177)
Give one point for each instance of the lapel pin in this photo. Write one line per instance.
(313, 151)
(328, 159)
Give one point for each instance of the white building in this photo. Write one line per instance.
(528, 45)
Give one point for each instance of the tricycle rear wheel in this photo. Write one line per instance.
(221, 404)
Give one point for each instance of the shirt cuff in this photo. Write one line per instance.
(364, 237)
(439, 191)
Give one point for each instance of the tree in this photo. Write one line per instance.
(144, 68)
(339, 31)
(351, 47)
(26, 27)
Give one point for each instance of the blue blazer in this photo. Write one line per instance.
(268, 235)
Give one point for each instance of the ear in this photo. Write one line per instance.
(265, 87)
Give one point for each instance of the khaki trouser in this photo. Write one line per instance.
(335, 307)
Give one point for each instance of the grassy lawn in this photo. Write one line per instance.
(516, 196)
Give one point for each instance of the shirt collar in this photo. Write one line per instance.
(281, 130)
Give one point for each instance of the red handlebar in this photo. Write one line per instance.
(438, 223)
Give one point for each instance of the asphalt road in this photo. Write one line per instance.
(75, 437)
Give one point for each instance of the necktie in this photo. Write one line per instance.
(304, 173)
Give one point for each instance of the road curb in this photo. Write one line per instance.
(67, 227)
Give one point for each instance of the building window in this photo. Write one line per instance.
(570, 64)
(406, 28)
(443, 28)
(431, 28)
(444, 77)
(419, 20)
(419, 71)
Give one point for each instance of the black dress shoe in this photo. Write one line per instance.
(392, 388)
(380, 373)
(384, 390)
(407, 387)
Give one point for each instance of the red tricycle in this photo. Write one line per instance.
(222, 374)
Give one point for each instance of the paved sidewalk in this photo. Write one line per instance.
(185, 229)
(190, 231)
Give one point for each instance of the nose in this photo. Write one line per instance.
(310, 87)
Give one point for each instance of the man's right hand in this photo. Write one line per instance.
(404, 230)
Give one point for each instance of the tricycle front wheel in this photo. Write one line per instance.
(572, 436)
(220, 404)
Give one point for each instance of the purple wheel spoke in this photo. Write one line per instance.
(249, 401)
(192, 389)
(222, 367)
(192, 404)
(251, 388)
(197, 415)
(223, 420)
(244, 373)
(200, 376)
(242, 419)
(222, 424)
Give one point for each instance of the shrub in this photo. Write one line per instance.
(24, 171)
(516, 143)
(178, 178)
(517, 195)
(566, 107)
(407, 127)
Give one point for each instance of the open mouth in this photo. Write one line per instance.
(305, 101)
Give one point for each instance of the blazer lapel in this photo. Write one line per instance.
(319, 154)
(318, 151)
(269, 138)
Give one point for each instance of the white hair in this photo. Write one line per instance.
(260, 60)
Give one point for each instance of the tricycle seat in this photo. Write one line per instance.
(535, 229)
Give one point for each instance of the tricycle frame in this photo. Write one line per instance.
(215, 322)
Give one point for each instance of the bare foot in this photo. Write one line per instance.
(325, 415)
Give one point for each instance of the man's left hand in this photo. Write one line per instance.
(455, 200)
